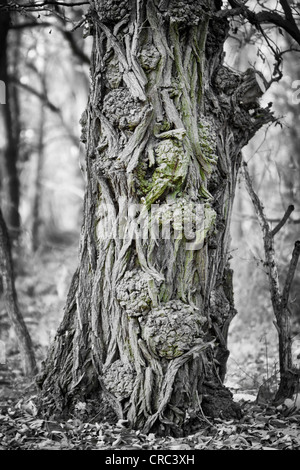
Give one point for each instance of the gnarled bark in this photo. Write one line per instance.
(146, 319)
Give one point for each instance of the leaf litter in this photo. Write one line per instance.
(262, 427)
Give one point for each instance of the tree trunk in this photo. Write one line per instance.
(37, 182)
(11, 303)
(147, 317)
(9, 122)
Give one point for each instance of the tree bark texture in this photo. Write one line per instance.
(146, 320)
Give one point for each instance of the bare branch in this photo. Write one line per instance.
(15, 6)
(33, 91)
(259, 209)
(74, 46)
(31, 24)
(279, 302)
(287, 11)
(44, 98)
(283, 220)
(268, 244)
(266, 16)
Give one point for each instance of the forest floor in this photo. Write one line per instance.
(252, 376)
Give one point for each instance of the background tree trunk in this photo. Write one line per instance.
(37, 183)
(146, 320)
(9, 147)
(12, 305)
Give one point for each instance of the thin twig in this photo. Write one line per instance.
(33, 91)
(283, 220)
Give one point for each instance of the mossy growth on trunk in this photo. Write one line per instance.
(147, 315)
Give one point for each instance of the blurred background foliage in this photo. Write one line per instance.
(48, 81)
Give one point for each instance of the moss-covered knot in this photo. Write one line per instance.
(113, 10)
(149, 57)
(189, 12)
(122, 109)
(179, 215)
(119, 379)
(133, 292)
(219, 306)
(172, 328)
